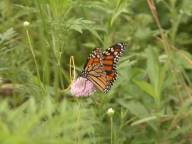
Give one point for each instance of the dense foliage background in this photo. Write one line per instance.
(152, 97)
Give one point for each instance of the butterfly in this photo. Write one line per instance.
(100, 68)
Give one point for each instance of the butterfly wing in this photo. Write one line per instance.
(110, 60)
(94, 70)
(100, 68)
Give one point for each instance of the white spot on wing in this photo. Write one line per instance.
(120, 44)
(115, 53)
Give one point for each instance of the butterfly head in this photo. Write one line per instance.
(83, 74)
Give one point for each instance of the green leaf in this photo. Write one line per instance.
(144, 120)
(121, 8)
(78, 24)
(152, 65)
(146, 87)
(136, 108)
(147, 119)
(77, 28)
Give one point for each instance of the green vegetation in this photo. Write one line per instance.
(152, 96)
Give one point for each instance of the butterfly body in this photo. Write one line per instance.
(100, 68)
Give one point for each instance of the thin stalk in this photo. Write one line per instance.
(111, 122)
(78, 123)
(33, 53)
(34, 58)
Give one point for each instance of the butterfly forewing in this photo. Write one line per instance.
(94, 70)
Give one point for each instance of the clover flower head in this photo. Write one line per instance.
(82, 87)
(110, 111)
(26, 23)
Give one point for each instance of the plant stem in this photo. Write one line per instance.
(111, 121)
(33, 54)
(78, 122)
(34, 58)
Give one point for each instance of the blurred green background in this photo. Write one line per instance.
(152, 97)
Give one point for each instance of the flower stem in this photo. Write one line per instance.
(78, 122)
(32, 51)
(111, 120)
(34, 58)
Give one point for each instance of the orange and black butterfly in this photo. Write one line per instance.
(100, 68)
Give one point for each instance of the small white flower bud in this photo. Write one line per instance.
(110, 111)
(26, 23)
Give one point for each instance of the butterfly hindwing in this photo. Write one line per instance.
(110, 59)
